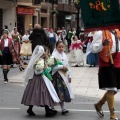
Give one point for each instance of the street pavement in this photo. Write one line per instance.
(84, 85)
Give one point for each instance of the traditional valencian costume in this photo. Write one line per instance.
(92, 58)
(60, 80)
(76, 54)
(8, 54)
(16, 41)
(26, 47)
(109, 75)
(39, 90)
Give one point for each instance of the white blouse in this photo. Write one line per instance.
(63, 58)
(96, 45)
(6, 42)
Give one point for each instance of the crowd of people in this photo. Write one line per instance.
(48, 75)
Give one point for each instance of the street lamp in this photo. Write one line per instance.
(77, 5)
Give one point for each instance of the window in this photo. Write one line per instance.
(36, 2)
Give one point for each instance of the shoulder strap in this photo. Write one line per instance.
(116, 39)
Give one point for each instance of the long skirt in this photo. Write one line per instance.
(109, 78)
(76, 57)
(92, 59)
(36, 93)
(17, 48)
(61, 88)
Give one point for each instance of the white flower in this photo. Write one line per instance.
(51, 61)
(39, 65)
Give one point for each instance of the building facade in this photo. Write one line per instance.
(67, 12)
(7, 14)
(25, 13)
(40, 13)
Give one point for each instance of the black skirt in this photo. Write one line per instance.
(109, 78)
(6, 59)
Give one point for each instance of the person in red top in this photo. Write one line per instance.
(108, 75)
(7, 54)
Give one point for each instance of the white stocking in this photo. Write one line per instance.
(62, 105)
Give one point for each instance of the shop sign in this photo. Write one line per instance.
(100, 14)
(26, 11)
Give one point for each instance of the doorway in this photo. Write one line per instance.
(20, 24)
(44, 22)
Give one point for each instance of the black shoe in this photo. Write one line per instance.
(51, 113)
(53, 110)
(30, 112)
(100, 113)
(76, 66)
(25, 63)
(114, 119)
(11, 66)
(65, 111)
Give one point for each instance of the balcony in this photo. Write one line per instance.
(66, 8)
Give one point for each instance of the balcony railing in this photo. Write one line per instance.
(38, 1)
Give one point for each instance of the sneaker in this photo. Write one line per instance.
(65, 111)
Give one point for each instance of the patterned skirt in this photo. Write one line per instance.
(36, 93)
(61, 88)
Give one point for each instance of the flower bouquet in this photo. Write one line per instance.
(39, 66)
(40, 69)
(52, 62)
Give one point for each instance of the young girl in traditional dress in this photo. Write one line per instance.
(92, 58)
(16, 42)
(76, 53)
(62, 77)
(7, 54)
(39, 90)
(26, 49)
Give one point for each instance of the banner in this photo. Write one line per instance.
(100, 14)
(25, 11)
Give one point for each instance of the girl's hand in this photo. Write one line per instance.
(64, 68)
(70, 80)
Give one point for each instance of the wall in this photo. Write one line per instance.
(9, 17)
